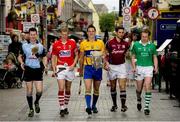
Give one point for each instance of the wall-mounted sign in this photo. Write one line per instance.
(153, 13)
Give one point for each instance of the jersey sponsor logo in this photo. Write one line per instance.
(114, 51)
(65, 53)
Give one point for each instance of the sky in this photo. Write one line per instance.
(111, 4)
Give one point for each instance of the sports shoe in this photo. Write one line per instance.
(88, 110)
(31, 113)
(146, 111)
(37, 108)
(114, 108)
(124, 108)
(95, 110)
(139, 106)
(62, 113)
(66, 111)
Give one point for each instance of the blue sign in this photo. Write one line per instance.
(165, 29)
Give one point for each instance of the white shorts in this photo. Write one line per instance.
(117, 71)
(142, 72)
(65, 74)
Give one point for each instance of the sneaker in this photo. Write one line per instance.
(95, 110)
(124, 108)
(66, 111)
(37, 108)
(88, 110)
(62, 113)
(114, 108)
(146, 111)
(139, 106)
(31, 113)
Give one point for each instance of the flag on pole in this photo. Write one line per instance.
(134, 6)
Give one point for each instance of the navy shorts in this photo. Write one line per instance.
(33, 74)
(92, 73)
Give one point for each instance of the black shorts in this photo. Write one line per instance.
(33, 74)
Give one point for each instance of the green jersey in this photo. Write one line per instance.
(144, 53)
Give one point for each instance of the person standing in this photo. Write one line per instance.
(144, 61)
(16, 46)
(64, 59)
(33, 65)
(115, 65)
(91, 56)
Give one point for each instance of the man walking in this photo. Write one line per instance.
(33, 61)
(91, 56)
(115, 65)
(64, 58)
(144, 61)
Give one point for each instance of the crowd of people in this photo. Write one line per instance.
(124, 57)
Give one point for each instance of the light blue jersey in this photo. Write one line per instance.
(31, 59)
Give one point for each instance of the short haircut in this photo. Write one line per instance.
(32, 29)
(119, 28)
(146, 31)
(91, 26)
(64, 28)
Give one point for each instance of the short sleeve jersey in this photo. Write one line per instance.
(88, 46)
(30, 59)
(144, 53)
(117, 51)
(65, 52)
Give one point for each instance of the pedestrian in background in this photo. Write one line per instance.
(16, 46)
(33, 65)
(23, 38)
(115, 65)
(144, 61)
(64, 58)
(91, 55)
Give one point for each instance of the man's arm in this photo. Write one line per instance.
(20, 59)
(105, 59)
(133, 62)
(75, 60)
(54, 63)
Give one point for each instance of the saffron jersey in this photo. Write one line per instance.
(65, 52)
(88, 47)
(117, 51)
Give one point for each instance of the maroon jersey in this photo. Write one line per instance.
(117, 51)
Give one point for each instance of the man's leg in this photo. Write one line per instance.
(148, 94)
(88, 87)
(29, 91)
(39, 89)
(96, 85)
(113, 94)
(122, 86)
(139, 87)
(67, 95)
(61, 85)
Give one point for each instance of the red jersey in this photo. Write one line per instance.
(65, 52)
(117, 51)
